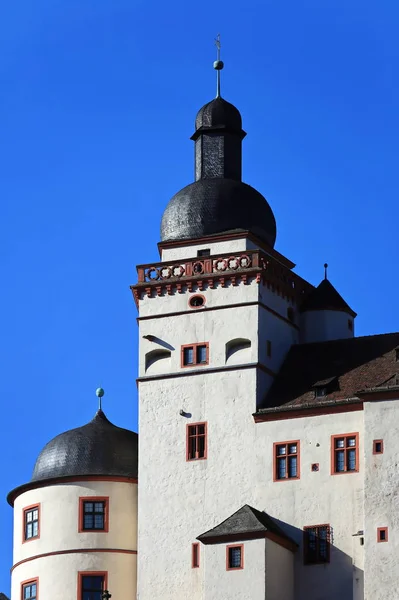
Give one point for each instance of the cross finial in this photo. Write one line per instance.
(218, 65)
(99, 393)
(325, 270)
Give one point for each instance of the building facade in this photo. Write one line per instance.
(266, 465)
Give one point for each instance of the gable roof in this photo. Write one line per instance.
(357, 364)
(326, 297)
(245, 523)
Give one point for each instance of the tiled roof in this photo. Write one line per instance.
(245, 521)
(353, 365)
(326, 297)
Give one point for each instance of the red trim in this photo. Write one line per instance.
(379, 530)
(83, 499)
(306, 560)
(297, 454)
(195, 555)
(228, 568)
(306, 411)
(194, 347)
(33, 485)
(24, 511)
(375, 442)
(205, 435)
(334, 450)
(30, 582)
(196, 296)
(82, 574)
(74, 551)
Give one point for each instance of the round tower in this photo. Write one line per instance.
(325, 315)
(75, 522)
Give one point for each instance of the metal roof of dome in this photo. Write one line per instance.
(211, 206)
(219, 113)
(97, 448)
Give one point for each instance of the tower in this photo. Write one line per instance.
(75, 522)
(217, 315)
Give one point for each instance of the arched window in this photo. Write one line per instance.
(238, 351)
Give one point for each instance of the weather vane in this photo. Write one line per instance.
(218, 65)
(99, 393)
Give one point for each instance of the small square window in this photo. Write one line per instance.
(320, 392)
(286, 461)
(204, 252)
(196, 441)
(235, 557)
(31, 522)
(93, 514)
(316, 544)
(378, 447)
(382, 534)
(194, 355)
(91, 586)
(29, 590)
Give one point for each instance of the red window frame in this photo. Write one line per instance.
(82, 574)
(25, 510)
(308, 560)
(381, 530)
(276, 456)
(194, 347)
(375, 451)
(24, 584)
(195, 556)
(193, 433)
(228, 548)
(345, 449)
(82, 500)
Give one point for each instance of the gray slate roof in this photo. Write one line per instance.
(3, 596)
(245, 521)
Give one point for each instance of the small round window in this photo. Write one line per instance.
(196, 301)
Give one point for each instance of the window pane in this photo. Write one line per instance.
(35, 529)
(201, 429)
(340, 461)
(88, 507)
(35, 515)
(201, 446)
(201, 354)
(280, 450)
(340, 443)
(92, 583)
(29, 516)
(234, 558)
(292, 466)
(351, 441)
(88, 522)
(29, 530)
(99, 522)
(188, 356)
(292, 449)
(192, 447)
(99, 507)
(351, 457)
(281, 468)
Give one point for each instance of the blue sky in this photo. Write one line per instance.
(98, 101)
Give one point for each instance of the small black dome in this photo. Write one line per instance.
(219, 113)
(98, 448)
(326, 297)
(211, 206)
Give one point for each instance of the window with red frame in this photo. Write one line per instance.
(195, 354)
(31, 523)
(195, 556)
(382, 534)
(286, 460)
(196, 441)
(29, 590)
(317, 544)
(92, 587)
(345, 449)
(235, 556)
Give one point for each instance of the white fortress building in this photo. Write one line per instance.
(266, 466)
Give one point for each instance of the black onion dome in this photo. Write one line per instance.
(98, 448)
(219, 113)
(211, 206)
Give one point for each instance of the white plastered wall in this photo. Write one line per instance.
(325, 325)
(279, 572)
(181, 252)
(381, 501)
(59, 519)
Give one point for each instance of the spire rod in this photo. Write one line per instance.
(218, 65)
(325, 270)
(99, 394)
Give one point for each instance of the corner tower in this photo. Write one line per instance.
(217, 316)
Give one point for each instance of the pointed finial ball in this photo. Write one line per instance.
(218, 65)
(99, 392)
(325, 265)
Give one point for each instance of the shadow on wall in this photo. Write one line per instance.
(338, 579)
